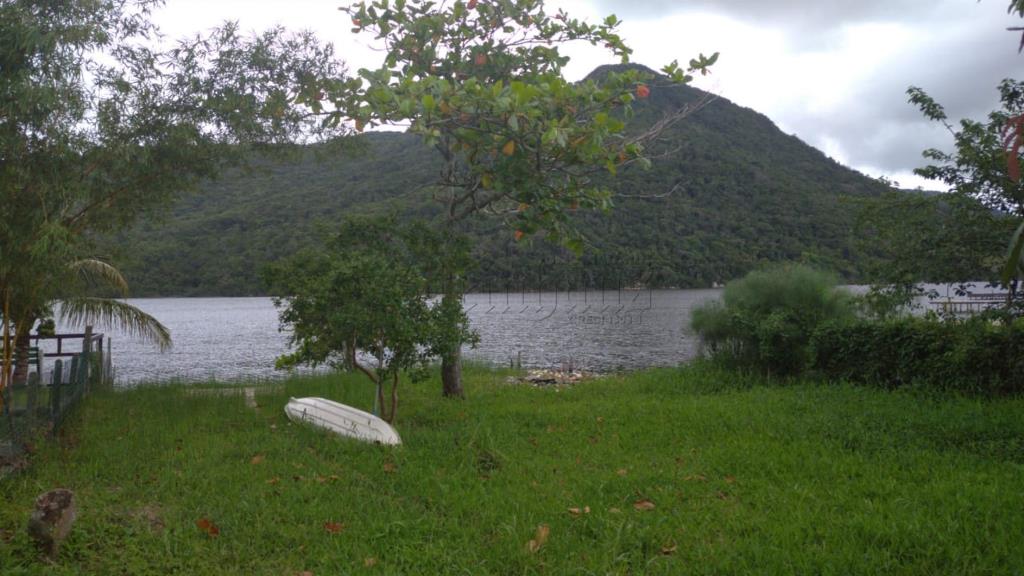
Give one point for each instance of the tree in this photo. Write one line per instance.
(99, 125)
(981, 167)
(482, 82)
(363, 303)
(75, 308)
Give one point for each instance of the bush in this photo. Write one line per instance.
(766, 319)
(978, 355)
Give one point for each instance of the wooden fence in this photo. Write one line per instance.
(40, 404)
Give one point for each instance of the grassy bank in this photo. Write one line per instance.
(672, 471)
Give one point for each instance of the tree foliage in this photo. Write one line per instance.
(99, 124)
(985, 165)
(482, 82)
(978, 165)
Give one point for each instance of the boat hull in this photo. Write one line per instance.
(342, 420)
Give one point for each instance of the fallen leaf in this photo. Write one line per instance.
(298, 478)
(722, 495)
(519, 235)
(615, 511)
(257, 459)
(669, 549)
(334, 527)
(273, 480)
(643, 505)
(541, 538)
(730, 479)
(370, 562)
(389, 467)
(208, 527)
(578, 511)
(304, 573)
(696, 478)
(622, 471)
(600, 419)
(321, 479)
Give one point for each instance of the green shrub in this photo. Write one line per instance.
(977, 355)
(766, 319)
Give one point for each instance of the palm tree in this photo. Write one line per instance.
(60, 294)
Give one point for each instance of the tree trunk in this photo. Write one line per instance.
(5, 371)
(451, 374)
(394, 398)
(22, 343)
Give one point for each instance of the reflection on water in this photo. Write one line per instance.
(231, 338)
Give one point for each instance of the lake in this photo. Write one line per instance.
(238, 338)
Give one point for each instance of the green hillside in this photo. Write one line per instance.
(729, 192)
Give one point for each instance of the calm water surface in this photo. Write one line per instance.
(238, 338)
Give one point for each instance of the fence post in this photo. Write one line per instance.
(58, 375)
(33, 398)
(108, 366)
(100, 361)
(86, 358)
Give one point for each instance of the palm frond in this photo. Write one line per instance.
(113, 314)
(95, 272)
(1013, 256)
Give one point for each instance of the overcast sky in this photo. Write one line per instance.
(833, 72)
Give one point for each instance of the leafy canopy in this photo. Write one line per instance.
(482, 82)
(978, 166)
(99, 124)
(985, 165)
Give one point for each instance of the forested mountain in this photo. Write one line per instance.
(728, 192)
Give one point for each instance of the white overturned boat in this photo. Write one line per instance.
(342, 419)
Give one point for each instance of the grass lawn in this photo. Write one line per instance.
(661, 472)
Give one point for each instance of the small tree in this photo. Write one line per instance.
(481, 81)
(363, 303)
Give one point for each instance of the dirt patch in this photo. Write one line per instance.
(151, 515)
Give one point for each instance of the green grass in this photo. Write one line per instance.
(745, 477)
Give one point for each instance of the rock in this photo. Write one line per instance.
(51, 520)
